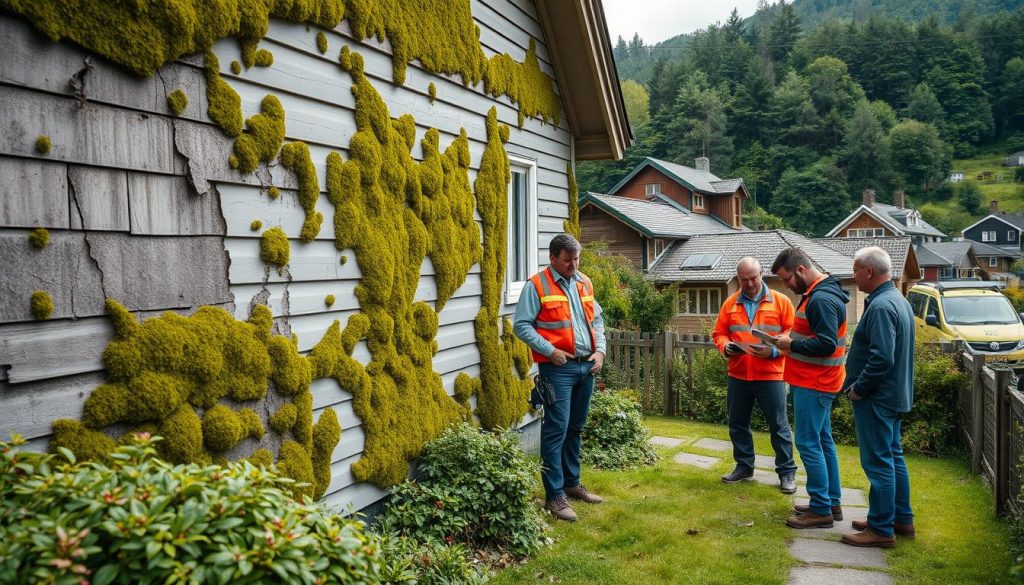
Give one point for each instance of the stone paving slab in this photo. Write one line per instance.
(771, 478)
(831, 552)
(714, 444)
(851, 496)
(839, 528)
(702, 461)
(764, 461)
(667, 441)
(819, 575)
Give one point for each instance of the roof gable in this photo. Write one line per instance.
(693, 179)
(658, 218)
(1015, 221)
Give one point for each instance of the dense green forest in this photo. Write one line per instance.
(873, 94)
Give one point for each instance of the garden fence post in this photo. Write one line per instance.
(1001, 490)
(978, 410)
(667, 349)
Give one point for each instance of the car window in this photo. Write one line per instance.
(981, 310)
(917, 302)
(933, 309)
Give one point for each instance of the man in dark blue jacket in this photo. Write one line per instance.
(880, 381)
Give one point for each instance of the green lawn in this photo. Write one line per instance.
(679, 524)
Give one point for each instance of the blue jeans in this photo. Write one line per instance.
(563, 424)
(771, 397)
(812, 412)
(881, 456)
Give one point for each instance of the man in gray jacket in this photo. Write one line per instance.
(880, 382)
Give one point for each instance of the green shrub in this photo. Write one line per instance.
(411, 562)
(706, 403)
(472, 487)
(614, 436)
(139, 519)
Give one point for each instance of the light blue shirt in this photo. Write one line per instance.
(529, 307)
(750, 305)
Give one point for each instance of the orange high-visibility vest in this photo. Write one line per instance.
(774, 315)
(825, 374)
(554, 321)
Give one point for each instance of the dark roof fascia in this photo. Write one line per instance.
(649, 162)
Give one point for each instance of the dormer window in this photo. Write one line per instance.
(698, 201)
(652, 189)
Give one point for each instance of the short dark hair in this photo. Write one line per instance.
(563, 242)
(790, 258)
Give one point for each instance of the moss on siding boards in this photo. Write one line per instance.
(166, 369)
(444, 39)
(274, 247)
(572, 225)
(43, 145)
(177, 101)
(39, 238)
(41, 305)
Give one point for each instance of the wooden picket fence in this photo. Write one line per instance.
(647, 361)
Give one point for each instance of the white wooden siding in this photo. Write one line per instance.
(133, 167)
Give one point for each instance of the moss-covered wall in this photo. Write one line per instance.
(199, 381)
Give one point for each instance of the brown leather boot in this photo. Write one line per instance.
(809, 520)
(580, 493)
(905, 530)
(837, 511)
(868, 538)
(560, 508)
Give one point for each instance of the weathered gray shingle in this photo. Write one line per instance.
(898, 248)
(655, 218)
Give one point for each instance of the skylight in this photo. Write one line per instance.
(701, 262)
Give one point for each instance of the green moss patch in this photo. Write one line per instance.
(329, 300)
(525, 84)
(256, 225)
(263, 58)
(177, 101)
(41, 305)
(295, 156)
(432, 91)
(39, 238)
(225, 105)
(43, 145)
(274, 192)
(274, 247)
(263, 135)
(572, 225)
(321, 42)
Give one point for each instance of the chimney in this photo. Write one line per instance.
(993, 206)
(702, 163)
(869, 197)
(898, 199)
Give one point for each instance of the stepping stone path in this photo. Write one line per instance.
(824, 559)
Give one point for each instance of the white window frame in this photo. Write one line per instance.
(989, 236)
(698, 201)
(652, 189)
(993, 262)
(1011, 235)
(513, 288)
(865, 233)
(947, 272)
(711, 298)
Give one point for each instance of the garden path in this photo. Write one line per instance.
(823, 558)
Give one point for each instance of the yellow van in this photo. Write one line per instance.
(973, 311)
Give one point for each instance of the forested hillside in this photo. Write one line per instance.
(809, 116)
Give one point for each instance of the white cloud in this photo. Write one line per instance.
(657, 20)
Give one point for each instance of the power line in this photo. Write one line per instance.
(846, 44)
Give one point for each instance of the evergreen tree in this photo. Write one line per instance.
(919, 156)
(834, 94)
(813, 200)
(865, 152)
(794, 118)
(1010, 104)
(636, 47)
(969, 197)
(885, 115)
(749, 109)
(957, 81)
(925, 107)
(698, 126)
(621, 51)
(783, 32)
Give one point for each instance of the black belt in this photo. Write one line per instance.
(581, 359)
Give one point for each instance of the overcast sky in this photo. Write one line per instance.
(657, 20)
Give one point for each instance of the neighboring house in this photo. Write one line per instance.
(150, 202)
(642, 230)
(879, 220)
(996, 262)
(1015, 160)
(998, 228)
(948, 261)
(905, 270)
(956, 176)
(702, 272)
(694, 188)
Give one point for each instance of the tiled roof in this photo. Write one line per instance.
(1016, 219)
(986, 250)
(657, 218)
(898, 248)
(942, 253)
(900, 215)
(700, 181)
(764, 246)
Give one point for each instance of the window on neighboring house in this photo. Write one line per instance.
(522, 227)
(866, 233)
(988, 236)
(948, 272)
(652, 189)
(1011, 235)
(655, 248)
(993, 262)
(698, 201)
(698, 301)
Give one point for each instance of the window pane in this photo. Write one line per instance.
(691, 302)
(518, 225)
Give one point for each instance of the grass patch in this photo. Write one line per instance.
(678, 524)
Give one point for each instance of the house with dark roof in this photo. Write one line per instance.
(701, 272)
(880, 220)
(998, 228)
(642, 230)
(996, 262)
(948, 260)
(905, 270)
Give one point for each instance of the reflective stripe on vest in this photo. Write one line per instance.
(824, 373)
(772, 311)
(554, 320)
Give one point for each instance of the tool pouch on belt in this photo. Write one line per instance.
(543, 393)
